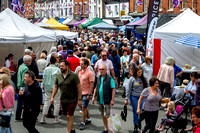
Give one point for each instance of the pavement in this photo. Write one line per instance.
(96, 125)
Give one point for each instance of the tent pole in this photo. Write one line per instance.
(24, 46)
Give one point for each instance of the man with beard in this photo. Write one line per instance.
(71, 94)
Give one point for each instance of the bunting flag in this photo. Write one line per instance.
(88, 12)
(14, 5)
(108, 9)
(139, 3)
(176, 3)
(123, 5)
(85, 3)
(79, 12)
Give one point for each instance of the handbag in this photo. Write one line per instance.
(114, 124)
(5, 119)
(142, 115)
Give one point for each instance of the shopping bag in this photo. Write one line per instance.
(114, 124)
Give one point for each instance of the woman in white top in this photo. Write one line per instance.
(42, 63)
(147, 68)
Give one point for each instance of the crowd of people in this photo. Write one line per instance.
(93, 66)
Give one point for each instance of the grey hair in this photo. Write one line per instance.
(53, 49)
(104, 66)
(27, 58)
(54, 54)
(135, 50)
(169, 60)
(27, 51)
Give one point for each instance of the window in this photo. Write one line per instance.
(135, 3)
(61, 10)
(109, 10)
(170, 4)
(66, 12)
(70, 11)
(160, 7)
(184, 4)
(76, 9)
(145, 5)
(95, 10)
(116, 10)
(81, 8)
(70, 0)
(85, 8)
(99, 15)
(99, 1)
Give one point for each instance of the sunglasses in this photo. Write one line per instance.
(104, 55)
(101, 69)
(2, 72)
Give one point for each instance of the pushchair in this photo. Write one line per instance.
(179, 122)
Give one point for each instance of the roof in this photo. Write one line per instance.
(58, 25)
(92, 22)
(186, 22)
(15, 29)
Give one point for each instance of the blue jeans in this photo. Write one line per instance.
(134, 104)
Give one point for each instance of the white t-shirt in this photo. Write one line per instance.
(107, 63)
(7, 63)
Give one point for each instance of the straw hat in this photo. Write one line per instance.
(185, 83)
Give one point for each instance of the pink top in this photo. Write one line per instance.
(166, 74)
(7, 98)
(86, 77)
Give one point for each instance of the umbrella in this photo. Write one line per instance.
(189, 40)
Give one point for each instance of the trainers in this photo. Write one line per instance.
(88, 121)
(82, 126)
(57, 120)
(42, 121)
(73, 131)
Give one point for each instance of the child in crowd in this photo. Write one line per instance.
(171, 115)
(126, 78)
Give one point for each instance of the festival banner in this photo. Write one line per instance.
(151, 24)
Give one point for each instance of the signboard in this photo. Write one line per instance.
(151, 24)
(122, 13)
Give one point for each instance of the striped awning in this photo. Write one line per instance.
(189, 40)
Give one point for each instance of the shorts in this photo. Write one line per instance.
(85, 102)
(104, 110)
(69, 108)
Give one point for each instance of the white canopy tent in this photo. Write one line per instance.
(41, 24)
(66, 21)
(187, 23)
(16, 31)
(44, 20)
(65, 34)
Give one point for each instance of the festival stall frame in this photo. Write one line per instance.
(17, 33)
(164, 45)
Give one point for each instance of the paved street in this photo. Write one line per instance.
(95, 127)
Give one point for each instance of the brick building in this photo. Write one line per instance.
(165, 6)
(81, 8)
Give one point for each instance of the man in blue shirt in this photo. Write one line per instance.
(105, 92)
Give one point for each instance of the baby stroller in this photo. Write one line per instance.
(179, 122)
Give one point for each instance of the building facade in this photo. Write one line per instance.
(166, 6)
(81, 9)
